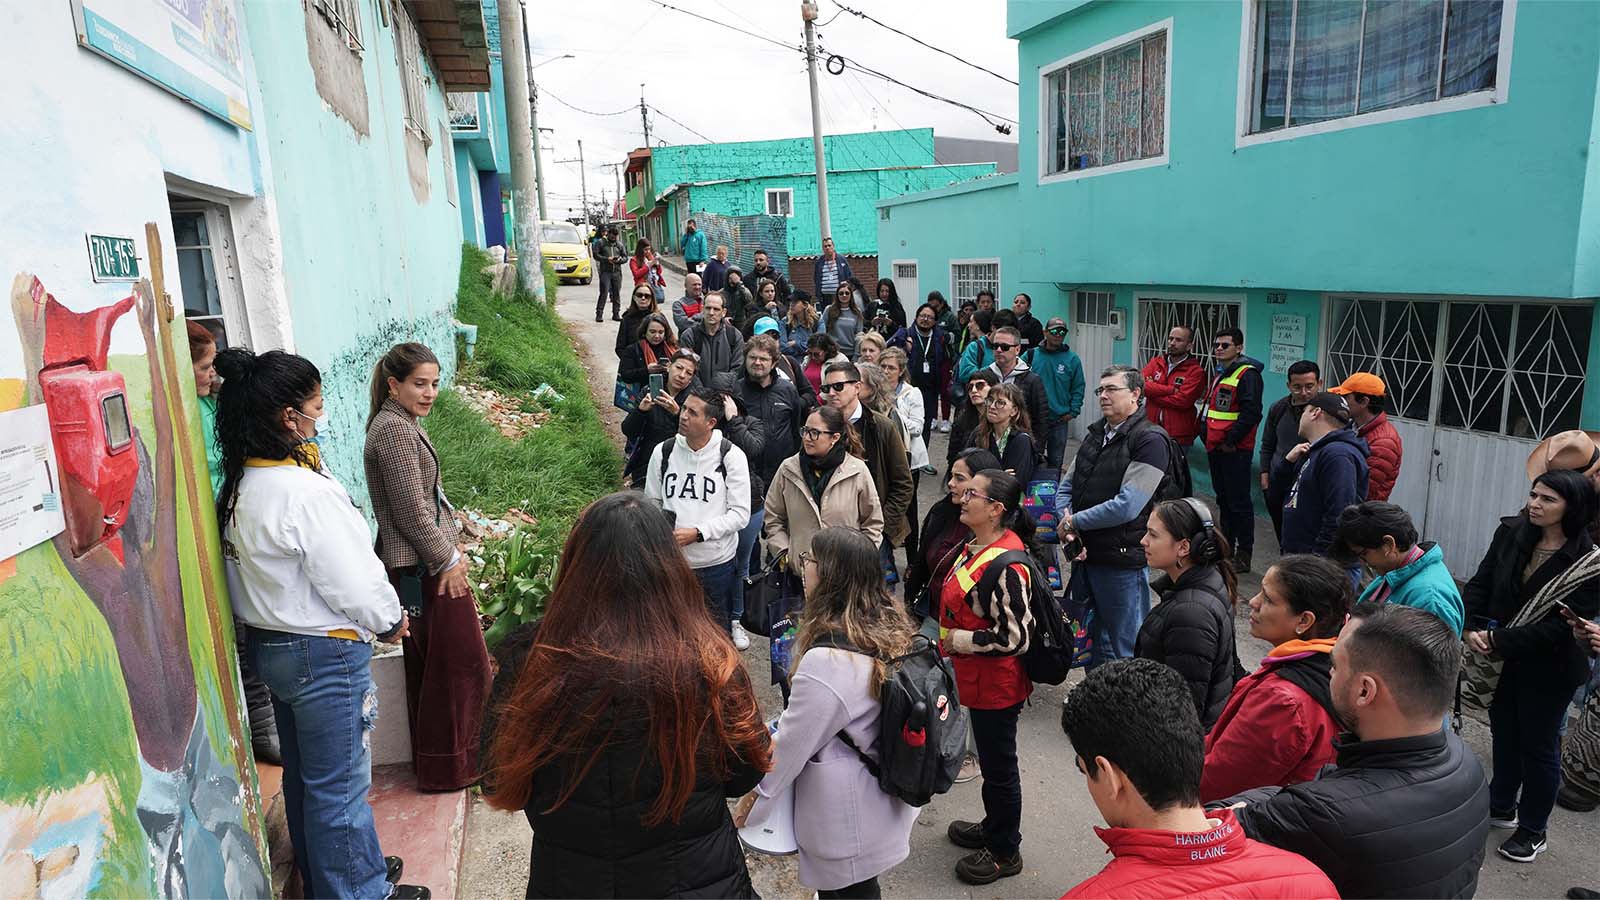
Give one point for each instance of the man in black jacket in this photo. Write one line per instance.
(1010, 368)
(1405, 810)
(1282, 434)
(764, 270)
(720, 345)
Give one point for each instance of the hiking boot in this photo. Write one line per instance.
(1241, 562)
(1503, 818)
(1567, 798)
(393, 867)
(984, 867)
(1524, 845)
(741, 638)
(410, 892)
(969, 770)
(965, 834)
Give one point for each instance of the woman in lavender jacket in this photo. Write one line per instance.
(849, 831)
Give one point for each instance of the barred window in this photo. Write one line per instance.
(969, 277)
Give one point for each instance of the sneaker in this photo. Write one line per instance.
(1503, 818)
(984, 867)
(969, 769)
(410, 892)
(966, 834)
(741, 639)
(1581, 893)
(944, 425)
(1524, 845)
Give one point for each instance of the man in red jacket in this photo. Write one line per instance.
(1133, 726)
(1173, 383)
(1365, 393)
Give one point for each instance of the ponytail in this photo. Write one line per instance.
(250, 412)
(398, 363)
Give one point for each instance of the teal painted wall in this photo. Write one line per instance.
(1490, 198)
(922, 230)
(471, 205)
(788, 156)
(369, 260)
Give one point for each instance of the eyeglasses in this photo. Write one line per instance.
(970, 493)
(1005, 346)
(1104, 389)
(812, 434)
(998, 402)
(1222, 345)
(833, 386)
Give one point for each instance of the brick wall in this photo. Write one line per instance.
(803, 272)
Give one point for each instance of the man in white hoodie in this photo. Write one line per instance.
(703, 482)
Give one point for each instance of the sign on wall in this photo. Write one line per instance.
(1288, 342)
(190, 47)
(113, 258)
(30, 483)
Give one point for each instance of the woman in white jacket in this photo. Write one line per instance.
(313, 596)
(913, 416)
(849, 830)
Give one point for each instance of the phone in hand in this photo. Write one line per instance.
(656, 383)
(1567, 610)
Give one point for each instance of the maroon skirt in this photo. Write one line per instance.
(447, 685)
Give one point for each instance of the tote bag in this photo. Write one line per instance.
(1480, 672)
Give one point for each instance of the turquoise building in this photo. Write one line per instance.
(483, 150)
(1354, 183)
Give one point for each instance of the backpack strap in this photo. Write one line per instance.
(997, 567)
(722, 457)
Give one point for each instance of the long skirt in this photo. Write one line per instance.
(447, 684)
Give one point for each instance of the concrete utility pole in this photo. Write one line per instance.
(583, 180)
(645, 117)
(808, 12)
(519, 128)
(616, 170)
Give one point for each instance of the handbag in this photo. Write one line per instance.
(760, 588)
(627, 396)
(1480, 672)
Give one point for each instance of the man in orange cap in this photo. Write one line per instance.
(1367, 395)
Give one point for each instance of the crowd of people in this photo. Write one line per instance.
(767, 435)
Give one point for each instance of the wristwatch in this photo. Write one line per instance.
(699, 536)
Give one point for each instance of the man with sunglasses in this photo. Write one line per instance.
(1010, 368)
(1233, 410)
(883, 450)
(1062, 373)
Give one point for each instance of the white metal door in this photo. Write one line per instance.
(1091, 339)
(1476, 479)
(905, 284)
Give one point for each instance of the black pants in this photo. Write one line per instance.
(861, 890)
(930, 403)
(610, 286)
(995, 733)
(1234, 485)
(911, 517)
(1525, 729)
(1278, 491)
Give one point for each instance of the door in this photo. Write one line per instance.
(1091, 339)
(905, 284)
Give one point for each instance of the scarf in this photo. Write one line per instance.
(818, 472)
(651, 357)
(313, 460)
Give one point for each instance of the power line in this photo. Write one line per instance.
(759, 37)
(657, 111)
(861, 15)
(588, 112)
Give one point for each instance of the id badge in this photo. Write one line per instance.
(927, 369)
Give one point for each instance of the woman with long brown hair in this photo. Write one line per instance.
(625, 725)
(447, 665)
(1005, 430)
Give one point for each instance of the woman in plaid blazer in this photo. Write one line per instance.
(447, 664)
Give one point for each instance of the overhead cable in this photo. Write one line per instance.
(861, 15)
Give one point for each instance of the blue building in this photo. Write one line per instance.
(482, 149)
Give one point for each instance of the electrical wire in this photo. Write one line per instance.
(759, 37)
(663, 115)
(861, 15)
(587, 112)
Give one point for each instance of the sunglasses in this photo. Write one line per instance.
(1222, 345)
(1058, 332)
(1006, 346)
(837, 386)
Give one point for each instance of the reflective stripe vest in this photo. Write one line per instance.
(983, 682)
(1222, 409)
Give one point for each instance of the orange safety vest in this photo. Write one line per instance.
(1222, 409)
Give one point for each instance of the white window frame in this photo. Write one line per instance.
(344, 17)
(955, 299)
(413, 77)
(1050, 69)
(222, 247)
(1245, 102)
(787, 194)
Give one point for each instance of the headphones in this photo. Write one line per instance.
(1205, 548)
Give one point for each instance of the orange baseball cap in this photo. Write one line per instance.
(1361, 383)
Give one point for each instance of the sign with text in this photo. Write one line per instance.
(113, 258)
(1285, 355)
(1288, 329)
(30, 482)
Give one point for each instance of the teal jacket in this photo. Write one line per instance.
(208, 430)
(1425, 584)
(1062, 374)
(978, 355)
(694, 247)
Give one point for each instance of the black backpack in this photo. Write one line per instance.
(1053, 641)
(922, 729)
(722, 455)
(1176, 483)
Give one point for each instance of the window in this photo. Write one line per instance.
(343, 16)
(780, 202)
(1108, 107)
(1092, 307)
(905, 270)
(463, 109)
(969, 276)
(203, 243)
(1321, 60)
(408, 51)
(448, 156)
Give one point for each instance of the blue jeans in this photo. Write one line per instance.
(1118, 600)
(325, 704)
(747, 557)
(1055, 443)
(719, 582)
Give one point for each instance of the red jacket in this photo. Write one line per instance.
(1171, 395)
(641, 271)
(1221, 863)
(1383, 456)
(1271, 732)
(994, 679)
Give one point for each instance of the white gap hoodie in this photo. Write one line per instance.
(701, 497)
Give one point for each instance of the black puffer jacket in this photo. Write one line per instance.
(1406, 817)
(1191, 630)
(780, 409)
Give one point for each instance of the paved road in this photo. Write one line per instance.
(1059, 845)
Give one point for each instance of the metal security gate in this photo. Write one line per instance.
(1473, 386)
(1159, 315)
(1091, 339)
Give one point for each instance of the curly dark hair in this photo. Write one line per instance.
(250, 412)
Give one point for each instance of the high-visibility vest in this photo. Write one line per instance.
(1229, 381)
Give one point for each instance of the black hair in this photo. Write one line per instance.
(978, 459)
(760, 251)
(1375, 402)
(1024, 295)
(1304, 367)
(848, 368)
(1004, 318)
(250, 412)
(1139, 715)
(825, 343)
(984, 375)
(1414, 651)
(1316, 585)
(1236, 334)
(982, 294)
(984, 319)
(936, 295)
(1574, 488)
(929, 307)
(666, 325)
(969, 305)
(712, 398)
(1182, 521)
(1363, 526)
(1006, 489)
(838, 424)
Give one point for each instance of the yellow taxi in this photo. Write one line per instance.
(565, 249)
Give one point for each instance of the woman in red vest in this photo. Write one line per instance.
(985, 635)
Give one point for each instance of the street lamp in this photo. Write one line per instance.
(551, 60)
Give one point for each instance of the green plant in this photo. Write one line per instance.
(516, 577)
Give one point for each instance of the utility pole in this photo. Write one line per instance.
(645, 117)
(616, 170)
(533, 114)
(583, 180)
(519, 128)
(808, 12)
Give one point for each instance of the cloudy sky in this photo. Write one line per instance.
(732, 87)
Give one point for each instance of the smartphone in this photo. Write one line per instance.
(1562, 605)
(656, 383)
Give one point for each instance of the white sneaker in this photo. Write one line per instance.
(741, 640)
(944, 425)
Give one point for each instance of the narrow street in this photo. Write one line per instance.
(1059, 844)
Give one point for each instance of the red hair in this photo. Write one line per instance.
(626, 622)
(200, 339)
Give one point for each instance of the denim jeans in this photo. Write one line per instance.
(325, 703)
(1525, 722)
(746, 556)
(719, 582)
(1055, 442)
(1235, 486)
(995, 733)
(1118, 600)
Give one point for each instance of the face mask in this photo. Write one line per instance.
(320, 422)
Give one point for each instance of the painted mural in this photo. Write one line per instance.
(125, 768)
